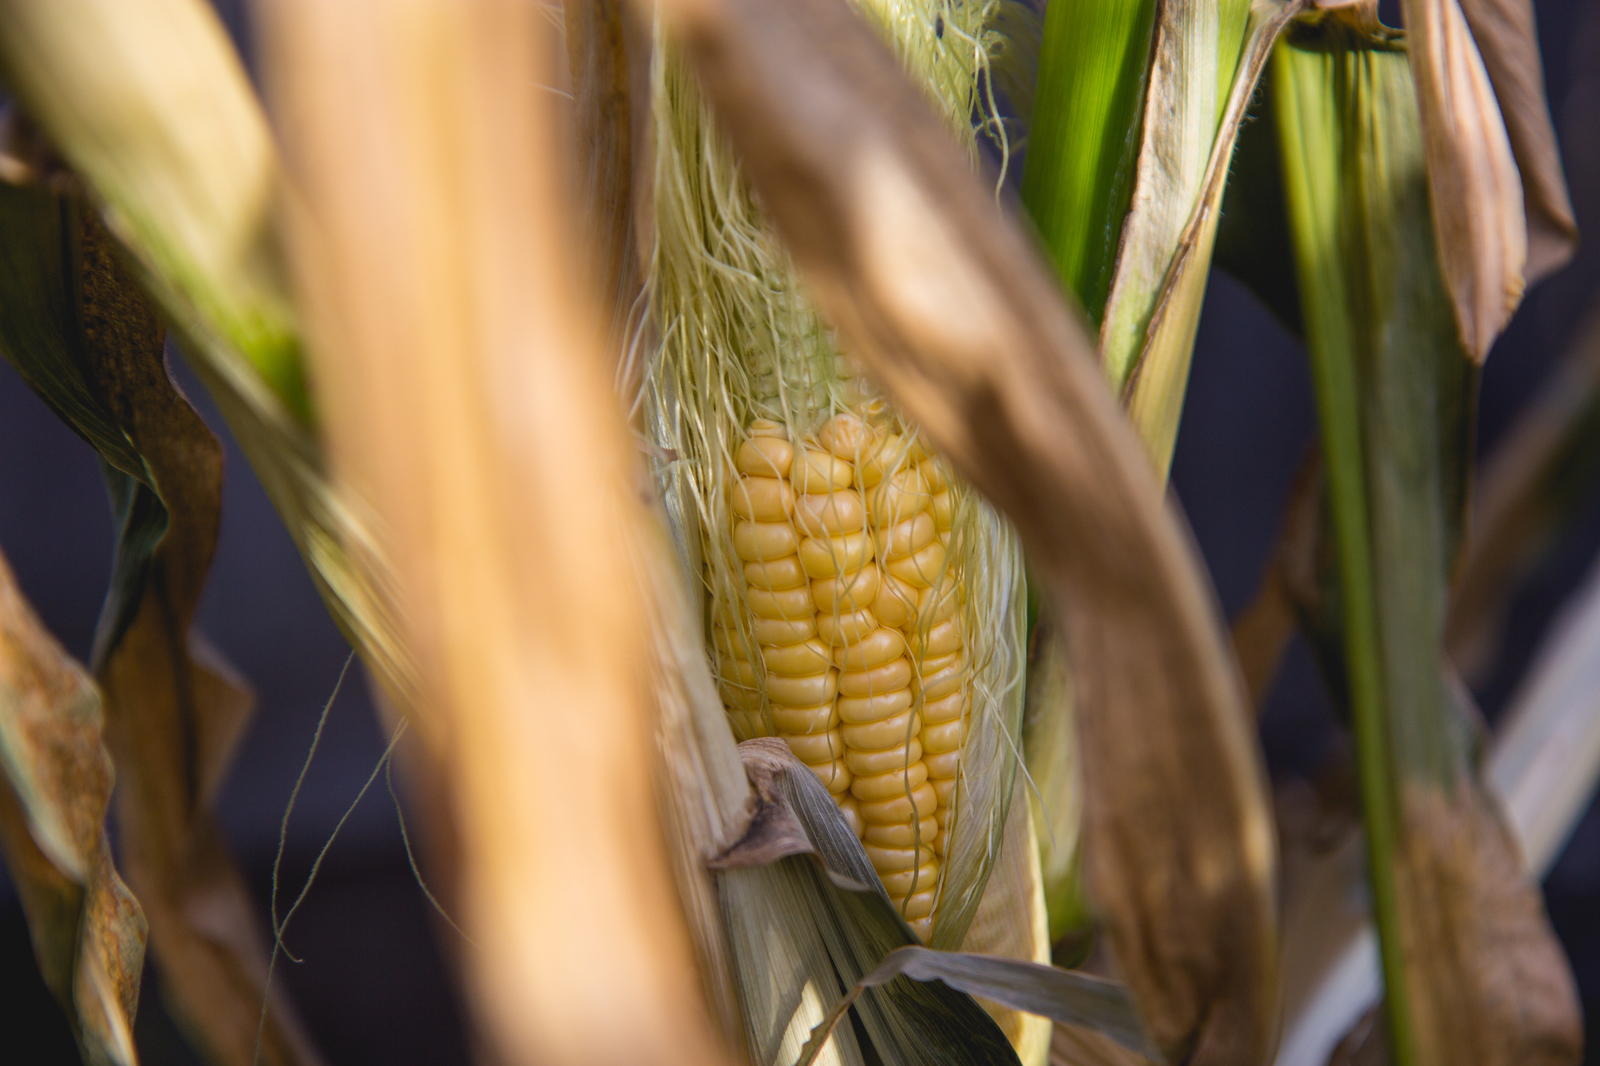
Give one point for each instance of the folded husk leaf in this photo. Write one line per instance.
(466, 399)
(1473, 972)
(151, 108)
(174, 711)
(1055, 780)
(1476, 193)
(88, 931)
(1508, 41)
(944, 303)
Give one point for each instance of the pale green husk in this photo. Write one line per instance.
(738, 340)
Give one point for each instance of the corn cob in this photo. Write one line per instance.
(864, 605)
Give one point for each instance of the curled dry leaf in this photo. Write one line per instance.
(85, 337)
(1472, 175)
(55, 783)
(947, 306)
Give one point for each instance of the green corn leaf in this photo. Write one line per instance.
(1395, 394)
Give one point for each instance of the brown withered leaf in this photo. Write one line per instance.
(947, 305)
(83, 335)
(174, 712)
(1472, 175)
(1509, 43)
(55, 784)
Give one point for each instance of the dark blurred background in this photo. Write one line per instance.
(375, 986)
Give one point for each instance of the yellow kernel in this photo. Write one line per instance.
(730, 643)
(885, 733)
(943, 764)
(938, 602)
(946, 736)
(803, 691)
(776, 574)
(906, 537)
(897, 756)
(918, 908)
(944, 709)
(896, 602)
(781, 632)
(764, 499)
(816, 748)
(889, 456)
(851, 809)
(859, 710)
(935, 475)
(780, 603)
(834, 774)
(741, 697)
(923, 926)
(888, 677)
(902, 834)
(846, 436)
(847, 592)
(880, 787)
(764, 457)
(901, 883)
(897, 498)
(889, 860)
(766, 427)
(738, 672)
(747, 725)
(876, 648)
(920, 449)
(922, 569)
(900, 808)
(804, 721)
(833, 556)
(944, 789)
(847, 628)
(941, 843)
(828, 514)
(944, 511)
(815, 470)
(940, 640)
(934, 675)
(764, 540)
(797, 660)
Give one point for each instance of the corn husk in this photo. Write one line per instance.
(1455, 915)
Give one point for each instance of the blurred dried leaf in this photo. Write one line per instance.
(945, 303)
(1509, 43)
(55, 783)
(1476, 193)
(466, 401)
(92, 347)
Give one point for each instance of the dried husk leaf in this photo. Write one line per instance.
(943, 302)
(151, 108)
(1508, 41)
(1473, 971)
(1476, 193)
(88, 931)
(467, 402)
(174, 710)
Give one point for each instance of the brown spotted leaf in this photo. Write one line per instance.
(947, 305)
(55, 783)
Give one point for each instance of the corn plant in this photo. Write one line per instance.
(761, 528)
